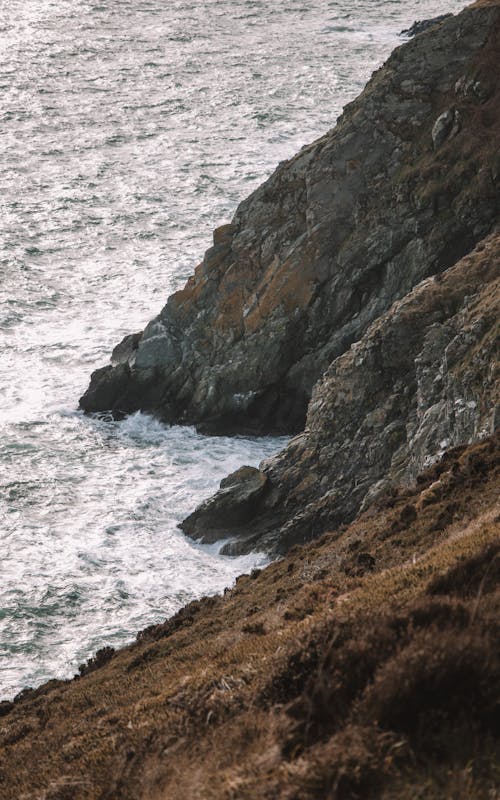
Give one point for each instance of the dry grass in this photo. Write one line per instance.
(364, 664)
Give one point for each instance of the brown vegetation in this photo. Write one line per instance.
(365, 664)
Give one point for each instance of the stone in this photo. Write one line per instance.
(236, 502)
(442, 128)
(420, 26)
(325, 246)
(125, 351)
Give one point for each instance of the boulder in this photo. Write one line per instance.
(234, 506)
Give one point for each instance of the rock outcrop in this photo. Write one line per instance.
(424, 377)
(422, 25)
(405, 185)
(232, 507)
(364, 275)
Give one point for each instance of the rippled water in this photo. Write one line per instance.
(129, 130)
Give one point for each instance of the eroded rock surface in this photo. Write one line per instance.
(233, 506)
(424, 377)
(338, 233)
(422, 25)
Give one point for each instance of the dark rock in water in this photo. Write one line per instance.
(234, 505)
(324, 247)
(420, 26)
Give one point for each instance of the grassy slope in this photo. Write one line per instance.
(364, 664)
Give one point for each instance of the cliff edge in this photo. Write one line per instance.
(404, 185)
(423, 375)
(423, 378)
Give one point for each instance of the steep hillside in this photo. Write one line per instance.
(363, 665)
(404, 185)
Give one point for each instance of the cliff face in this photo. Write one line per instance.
(423, 378)
(424, 375)
(405, 184)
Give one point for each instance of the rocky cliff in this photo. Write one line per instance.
(357, 293)
(424, 374)
(424, 377)
(405, 184)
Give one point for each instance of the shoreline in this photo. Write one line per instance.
(355, 296)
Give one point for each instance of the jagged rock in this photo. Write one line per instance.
(326, 245)
(424, 378)
(233, 505)
(420, 26)
(126, 350)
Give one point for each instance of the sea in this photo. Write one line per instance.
(129, 129)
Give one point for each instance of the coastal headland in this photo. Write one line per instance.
(353, 301)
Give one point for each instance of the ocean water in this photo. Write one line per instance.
(129, 130)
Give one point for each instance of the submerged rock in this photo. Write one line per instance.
(324, 247)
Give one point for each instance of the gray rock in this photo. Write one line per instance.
(447, 126)
(442, 127)
(424, 378)
(234, 505)
(322, 249)
(420, 26)
(124, 352)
